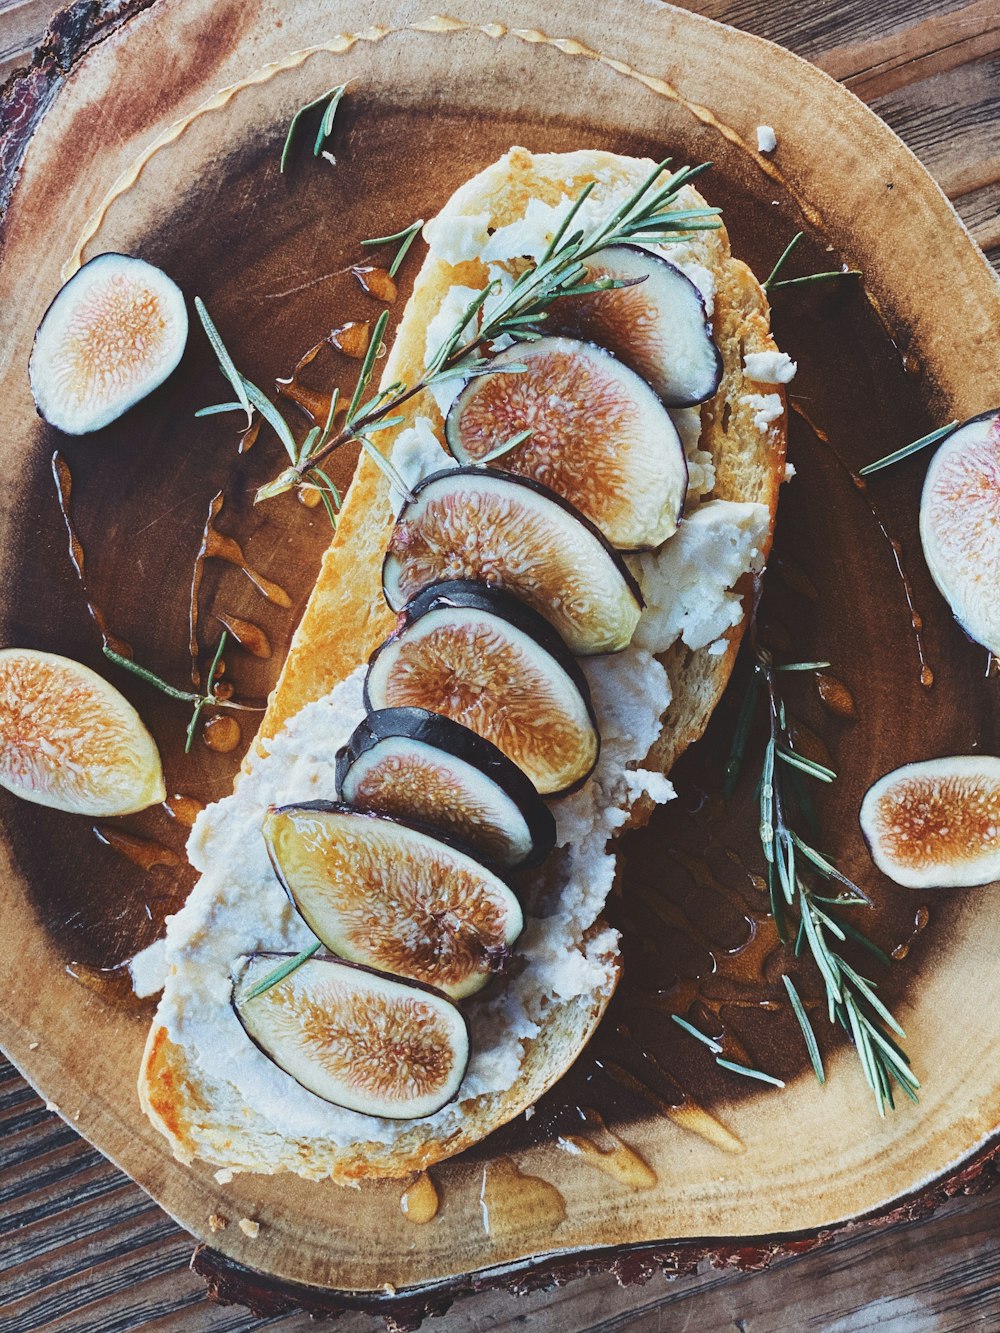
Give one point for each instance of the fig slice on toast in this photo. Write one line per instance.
(658, 325)
(388, 895)
(486, 660)
(355, 1037)
(112, 335)
(416, 765)
(960, 526)
(514, 534)
(936, 824)
(600, 437)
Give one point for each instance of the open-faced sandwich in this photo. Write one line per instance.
(523, 619)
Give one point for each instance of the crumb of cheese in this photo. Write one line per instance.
(249, 1227)
(216, 1222)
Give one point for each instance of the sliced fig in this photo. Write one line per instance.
(960, 526)
(512, 533)
(488, 661)
(112, 335)
(69, 740)
(418, 765)
(658, 326)
(600, 437)
(936, 824)
(386, 894)
(355, 1037)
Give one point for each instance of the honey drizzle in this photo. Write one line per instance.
(605, 1151)
(142, 852)
(420, 1201)
(184, 809)
(512, 1202)
(926, 676)
(64, 490)
(216, 546)
(247, 634)
(341, 43)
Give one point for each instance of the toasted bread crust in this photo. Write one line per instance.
(749, 465)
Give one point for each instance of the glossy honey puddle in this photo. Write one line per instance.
(691, 904)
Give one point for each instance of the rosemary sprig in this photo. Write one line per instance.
(200, 701)
(330, 100)
(909, 449)
(716, 1048)
(406, 237)
(283, 970)
(793, 864)
(770, 284)
(645, 216)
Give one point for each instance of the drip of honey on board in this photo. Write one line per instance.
(376, 282)
(185, 809)
(599, 1147)
(143, 852)
(215, 545)
(926, 676)
(64, 490)
(221, 733)
(513, 1202)
(247, 635)
(419, 1202)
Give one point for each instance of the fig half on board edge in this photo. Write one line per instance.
(70, 740)
(514, 534)
(355, 1037)
(600, 437)
(392, 896)
(486, 660)
(658, 326)
(413, 764)
(960, 525)
(111, 336)
(936, 824)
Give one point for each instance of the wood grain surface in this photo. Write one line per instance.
(82, 1248)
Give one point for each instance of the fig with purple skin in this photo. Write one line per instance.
(600, 437)
(355, 1037)
(960, 526)
(658, 324)
(516, 535)
(112, 335)
(416, 765)
(388, 895)
(489, 662)
(936, 824)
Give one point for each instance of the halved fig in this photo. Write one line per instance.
(600, 437)
(488, 661)
(417, 765)
(512, 533)
(936, 824)
(112, 335)
(69, 740)
(386, 894)
(960, 526)
(355, 1037)
(658, 326)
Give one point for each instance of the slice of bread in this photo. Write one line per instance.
(204, 1116)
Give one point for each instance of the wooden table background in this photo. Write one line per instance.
(84, 1249)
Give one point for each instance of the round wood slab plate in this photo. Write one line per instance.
(159, 133)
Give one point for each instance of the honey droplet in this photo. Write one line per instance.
(247, 635)
(926, 676)
(221, 733)
(185, 809)
(313, 402)
(901, 951)
(921, 919)
(835, 695)
(513, 1202)
(222, 689)
(419, 1202)
(376, 282)
(140, 851)
(308, 496)
(608, 1153)
(352, 338)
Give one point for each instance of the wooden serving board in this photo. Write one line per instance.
(433, 102)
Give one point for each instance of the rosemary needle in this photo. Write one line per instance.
(285, 969)
(909, 449)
